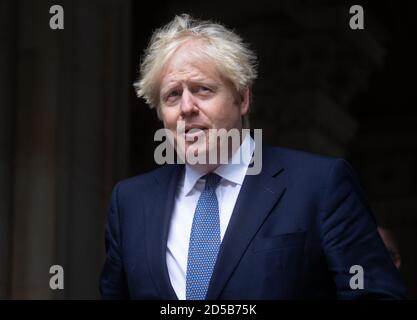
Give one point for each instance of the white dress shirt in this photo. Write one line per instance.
(188, 192)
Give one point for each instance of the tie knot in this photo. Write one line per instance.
(212, 180)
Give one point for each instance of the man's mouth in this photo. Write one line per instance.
(193, 131)
(195, 126)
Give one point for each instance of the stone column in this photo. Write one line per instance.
(71, 141)
(7, 104)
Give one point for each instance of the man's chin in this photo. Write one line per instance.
(194, 151)
(199, 154)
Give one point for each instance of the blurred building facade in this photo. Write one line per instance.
(70, 125)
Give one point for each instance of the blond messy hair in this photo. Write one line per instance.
(232, 57)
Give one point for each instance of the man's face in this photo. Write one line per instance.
(194, 92)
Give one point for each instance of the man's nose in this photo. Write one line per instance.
(188, 104)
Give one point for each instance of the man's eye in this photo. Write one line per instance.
(204, 89)
(172, 95)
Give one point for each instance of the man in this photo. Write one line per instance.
(300, 228)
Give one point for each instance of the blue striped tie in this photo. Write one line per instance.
(204, 241)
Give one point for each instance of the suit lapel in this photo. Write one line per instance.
(257, 197)
(160, 202)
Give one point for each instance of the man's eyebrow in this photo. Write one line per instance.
(197, 80)
(170, 86)
(209, 82)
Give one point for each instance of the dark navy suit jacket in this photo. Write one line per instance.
(296, 230)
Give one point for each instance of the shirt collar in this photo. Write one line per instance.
(234, 171)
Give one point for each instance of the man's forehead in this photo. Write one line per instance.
(186, 66)
(189, 75)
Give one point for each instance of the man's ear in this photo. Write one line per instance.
(244, 104)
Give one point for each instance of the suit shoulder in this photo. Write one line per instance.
(141, 181)
(295, 157)
(309, 164)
